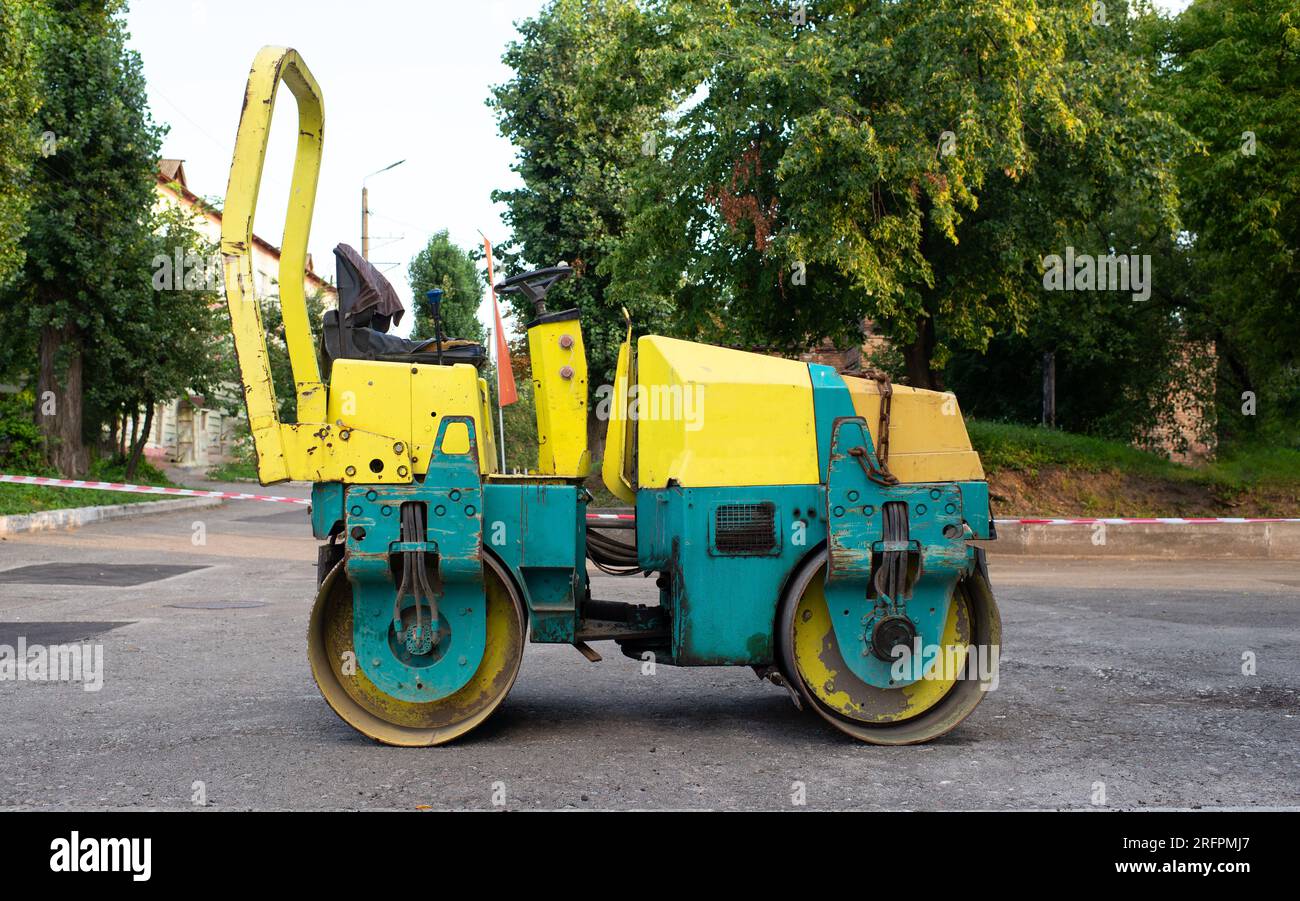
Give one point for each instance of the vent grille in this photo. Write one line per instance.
(745, 528)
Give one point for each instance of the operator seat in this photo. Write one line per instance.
(368, 306)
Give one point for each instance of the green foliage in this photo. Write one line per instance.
(820, 153)
(19, 137)
(277, 349)
(1118, 365)
(1232, 78)
(441, 264)
(91, 199)
(168, 342)
(241, 468)
(584, 94)
(87, 239)
(22, 448)
(520, 425)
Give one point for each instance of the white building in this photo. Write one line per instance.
(194, 430)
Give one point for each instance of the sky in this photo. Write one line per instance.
(401, 80)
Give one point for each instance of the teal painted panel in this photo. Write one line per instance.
(540, 533)
(723, 603)
(326, 508)
(855, 507)
(831, 401)
(452, 497)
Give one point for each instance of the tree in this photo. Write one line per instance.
(277, 349)
(171, 342)
(90, 210)
(1233, 79)
(584, 98)
(908, 162)
(441, 264)
(19, 138)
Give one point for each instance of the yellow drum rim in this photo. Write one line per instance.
(823, 671)
(360, 704)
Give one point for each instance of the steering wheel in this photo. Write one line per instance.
(534, 285)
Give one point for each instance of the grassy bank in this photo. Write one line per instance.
(20, 499)
(1035, 471)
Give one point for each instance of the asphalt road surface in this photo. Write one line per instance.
(1122, 686)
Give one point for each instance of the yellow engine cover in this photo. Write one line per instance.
(408, 402)
(706, 416)
(711, 416)
(927, 433)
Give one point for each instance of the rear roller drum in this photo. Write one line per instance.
(408, 724)
(811, 660)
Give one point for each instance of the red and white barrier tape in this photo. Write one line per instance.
(1162, 520)
(149, 489)
(596, 517)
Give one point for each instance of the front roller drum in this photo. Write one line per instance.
(811, 660)
(393, 721)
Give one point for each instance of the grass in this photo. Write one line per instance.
(234, 471)
(21, 499)
(1030, 448)
(1038, 470)
(1257, 465)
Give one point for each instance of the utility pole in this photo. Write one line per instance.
(365, 222)
(365, 209)
(1049, 389)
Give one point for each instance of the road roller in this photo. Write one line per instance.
(818, 526)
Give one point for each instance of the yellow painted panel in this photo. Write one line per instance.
(408, 402)
(612, 469)
(711, 416)
(446, 391)
(927, 434)
(489, 424)
(560, 395)
(456, 439)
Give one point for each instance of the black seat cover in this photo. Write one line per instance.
(368, 306)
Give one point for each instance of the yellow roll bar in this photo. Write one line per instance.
(311, 449)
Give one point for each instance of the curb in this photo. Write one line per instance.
(74, 517)
(1254, 541)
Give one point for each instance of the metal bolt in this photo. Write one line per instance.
(401, 471)
(566, 341)
(462, 661)
(345, 434)
(398, 448)
(350, 471)
(566, 372)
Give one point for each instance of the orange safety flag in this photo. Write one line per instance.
(505, 370)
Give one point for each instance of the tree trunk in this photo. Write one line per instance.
(59, 405)
(137, 445)
(919, 355)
